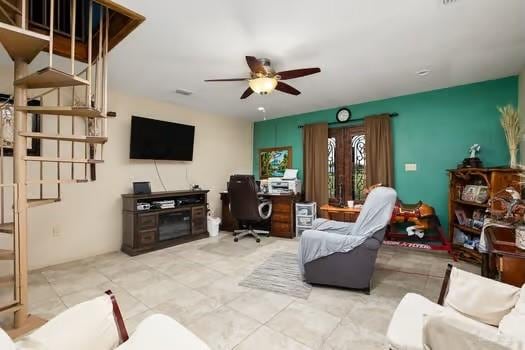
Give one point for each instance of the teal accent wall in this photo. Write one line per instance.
(434, 130)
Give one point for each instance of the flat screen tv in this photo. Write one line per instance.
(157, 139)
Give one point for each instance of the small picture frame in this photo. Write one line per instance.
(478, 224)
(483, 195)
(461, 216)
(469, 193)
(477, 215)
(475, 193)
(141, 187)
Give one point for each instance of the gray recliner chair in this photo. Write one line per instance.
(343, 265)
(353, 269)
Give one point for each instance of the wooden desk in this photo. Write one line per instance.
(504, 260)
(339, 214)
(282, 221)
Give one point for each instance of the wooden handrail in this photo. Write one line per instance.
(73, 19)
(6, 15)
(51, 30)
(59, 188)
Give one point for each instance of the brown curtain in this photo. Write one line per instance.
(379, 158)
(316, 163)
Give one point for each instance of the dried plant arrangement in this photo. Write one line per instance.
(510, 122)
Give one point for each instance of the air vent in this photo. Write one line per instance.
(449, 2)
(183, 92)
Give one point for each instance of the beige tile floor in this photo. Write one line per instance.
(197, 284)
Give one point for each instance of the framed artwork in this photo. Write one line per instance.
(274, 161)
(7, 127)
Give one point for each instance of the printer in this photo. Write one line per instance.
(286, 184)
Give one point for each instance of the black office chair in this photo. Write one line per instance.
(246, 207)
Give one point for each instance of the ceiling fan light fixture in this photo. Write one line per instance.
(263, 85)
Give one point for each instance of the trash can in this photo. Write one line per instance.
(213, 226)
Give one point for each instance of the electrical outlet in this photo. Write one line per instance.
(56, 231)
(410, 167)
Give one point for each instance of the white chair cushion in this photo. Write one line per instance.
(480, 298)
(5, 341)
(86, 326)
(513, 324)
(405, 331)
(448, 330)
(520, 305)
(160, 332)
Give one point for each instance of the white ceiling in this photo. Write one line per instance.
(367, 50)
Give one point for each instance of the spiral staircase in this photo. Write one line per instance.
(54, 127)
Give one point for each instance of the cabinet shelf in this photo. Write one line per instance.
(474, 204)
(468, 229)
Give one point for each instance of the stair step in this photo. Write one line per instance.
(75, 138)
(62, 160)
(38, 202)
(73, 111)
(21, 43)
(7, 227)
(50, 78)
(7, 281)
(14, 306)
(6, 254)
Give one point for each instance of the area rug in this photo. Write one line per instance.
(279, 273)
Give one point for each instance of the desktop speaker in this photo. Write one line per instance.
(141, 187)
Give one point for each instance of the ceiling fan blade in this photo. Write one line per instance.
(247, 93)
(232, 79)
(287, 88)
(255, 65)
(297, 73)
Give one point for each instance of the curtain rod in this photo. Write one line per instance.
(391, 115)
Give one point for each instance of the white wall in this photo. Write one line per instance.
(89, 220)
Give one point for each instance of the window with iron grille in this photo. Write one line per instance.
(346, 164)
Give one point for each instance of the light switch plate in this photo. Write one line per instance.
(410, 167)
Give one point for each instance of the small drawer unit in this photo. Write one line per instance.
(305, 214)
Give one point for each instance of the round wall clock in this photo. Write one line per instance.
(343, 115)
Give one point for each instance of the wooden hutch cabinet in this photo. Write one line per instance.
(466, 206)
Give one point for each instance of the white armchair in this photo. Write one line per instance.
(97, 324)
(472, 313)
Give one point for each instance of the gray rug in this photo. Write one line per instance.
(279, 273)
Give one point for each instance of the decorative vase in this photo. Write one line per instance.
(513, 157)
(520, 236)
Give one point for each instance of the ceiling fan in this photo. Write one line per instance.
(263, 78)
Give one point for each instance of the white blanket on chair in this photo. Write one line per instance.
(331, 236)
